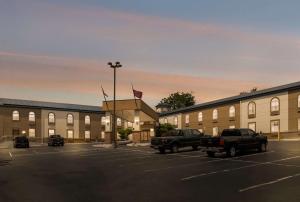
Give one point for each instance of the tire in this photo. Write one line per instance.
(262, 147)
(162, 150)
(195, 147)
(231, 152)
(174, 148)
(210, 154)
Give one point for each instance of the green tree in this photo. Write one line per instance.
(163, 128)
(124, 133)
(179, 100)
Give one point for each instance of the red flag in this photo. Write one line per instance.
(138, 94)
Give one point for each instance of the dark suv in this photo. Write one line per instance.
(21, 142)
(56, 140)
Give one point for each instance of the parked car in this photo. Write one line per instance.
(175, 139)
(56, 140)
(21, 142)
(233, 140)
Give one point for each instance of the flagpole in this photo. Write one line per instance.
(134, 95)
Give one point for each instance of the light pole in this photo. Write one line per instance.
(114, 134)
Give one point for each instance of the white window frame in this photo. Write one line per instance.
(275, 128)
(70, 119)
(200, 116)
(275, 104)
(187, 119)
(87, 134)
(215, 114)
(119, 122)
(298, 101)
(252, 108)
(215, 131)
(50, 131)
(232, 112)
(87, 120)
(51, 117)
(16, 115)
(31, 116)
(70, 134)
(31, 132)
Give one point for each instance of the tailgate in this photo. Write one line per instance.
(210, 142)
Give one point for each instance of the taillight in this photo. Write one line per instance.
(221, 142)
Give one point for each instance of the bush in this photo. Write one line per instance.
(163, 128)
(124, 133)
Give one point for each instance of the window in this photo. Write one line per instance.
(31, 117)
(275, 126)
(200, 117)
(87, 120)
(215, 131)
(232, 127)
(215, 114)
(251, 110)
(187, 119)
(275, 105)
(165, 120)
(51, 118)
(252, 126)
(103, 120)
(87, 134)
(31, 132)
(200, 130)
(70, 134)
(70, 119)
(119, 122)
(51, 132)
(175, 120)
(298, 101)
(15, 116)
(232, 112)
(298, 124)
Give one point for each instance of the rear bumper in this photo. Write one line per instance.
(214, 149)
(160, 146)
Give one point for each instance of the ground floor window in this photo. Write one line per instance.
(87, 134)
(31, 132)
(232, 127)
(252, 126)
(51, 132)
(298, 124)
(275, 126)
(215, 131)
(200, 130)
(102, 135)
(70, 134)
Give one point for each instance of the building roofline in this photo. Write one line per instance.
(237, 98)
(49, 105)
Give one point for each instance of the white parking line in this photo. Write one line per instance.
(239, 168)
(269, 183)
(10, 154)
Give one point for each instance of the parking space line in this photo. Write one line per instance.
(10, 154)
(269, 183)
(239, 168)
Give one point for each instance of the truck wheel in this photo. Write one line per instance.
(262, 147)
(174, 148)
(162, 150)
(195, 147)
(231, 152)
(210, 153)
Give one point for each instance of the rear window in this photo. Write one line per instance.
(172, 133)
(231, 133)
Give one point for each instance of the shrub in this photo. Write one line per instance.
(163, 128)
(124, 133)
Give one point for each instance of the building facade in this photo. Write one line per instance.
(274, 111)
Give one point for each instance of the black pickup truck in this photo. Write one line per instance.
(175, 139)
(233, 140)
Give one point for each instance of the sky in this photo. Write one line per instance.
(58, 50)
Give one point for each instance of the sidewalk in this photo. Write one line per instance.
(284, 140)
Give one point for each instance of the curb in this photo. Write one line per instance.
(284, 140)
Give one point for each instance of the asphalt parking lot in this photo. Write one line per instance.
(83, 172)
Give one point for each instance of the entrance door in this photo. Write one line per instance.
(145, 136)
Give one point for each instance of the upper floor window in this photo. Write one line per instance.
(215, 131)
(232, 112)
(187, 119)
(251, 109)
(200, 117)
(31, 117)
(15, 116)
(215, 114)
(70, 119)
(298, 101)
(103, 120)
(119, 122)
(51, 117)
(275, 105)
(87, 120)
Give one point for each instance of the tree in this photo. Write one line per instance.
(179, 100)
(124, 133)
(163, 128)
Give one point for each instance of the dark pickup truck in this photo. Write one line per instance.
(175, 139)
(233, 140)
